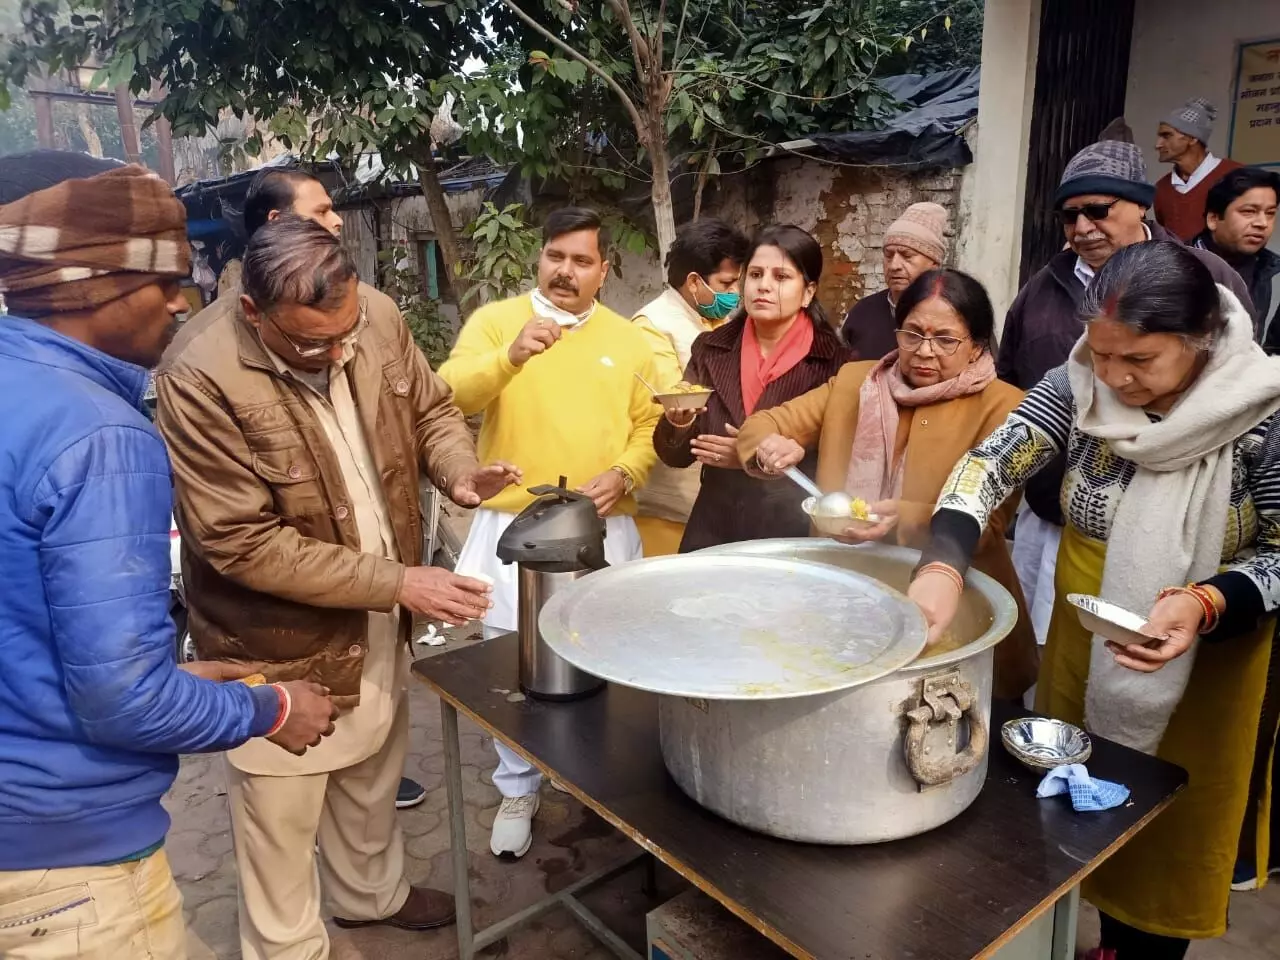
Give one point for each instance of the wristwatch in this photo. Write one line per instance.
(628, 484)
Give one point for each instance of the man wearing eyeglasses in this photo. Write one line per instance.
(297, 423)
(1102, 203)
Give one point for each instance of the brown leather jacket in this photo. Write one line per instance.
(271, 560)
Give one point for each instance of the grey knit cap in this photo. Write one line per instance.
(1194, 118)
(1108, 167)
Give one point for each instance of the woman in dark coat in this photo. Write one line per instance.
(781, 347)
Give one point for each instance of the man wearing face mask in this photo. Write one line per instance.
(1102, 203)
(914, 243)
(703, 267)
(554, 373)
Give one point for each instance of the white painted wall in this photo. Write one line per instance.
(1187, 48)
(994, 189)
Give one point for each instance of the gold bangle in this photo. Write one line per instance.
(949, 571)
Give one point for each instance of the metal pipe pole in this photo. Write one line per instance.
(457, 827)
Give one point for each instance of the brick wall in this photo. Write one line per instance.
(847, 209)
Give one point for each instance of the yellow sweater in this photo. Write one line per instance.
(575, 410)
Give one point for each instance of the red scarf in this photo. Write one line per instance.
(758, 371)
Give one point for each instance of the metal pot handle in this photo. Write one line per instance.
(945, 700)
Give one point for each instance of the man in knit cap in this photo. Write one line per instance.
(1102, 203)
(914, 243)
(1182, 140)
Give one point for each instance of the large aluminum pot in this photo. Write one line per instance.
(888, 759)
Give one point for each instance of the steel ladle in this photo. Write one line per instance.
(834, 504)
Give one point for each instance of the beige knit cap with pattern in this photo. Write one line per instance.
(922, 227)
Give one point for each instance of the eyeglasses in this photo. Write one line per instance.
(1091, 211)
(909, 342)
(315, 348)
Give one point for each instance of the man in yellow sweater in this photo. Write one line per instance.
(703, 267)
(553, 371)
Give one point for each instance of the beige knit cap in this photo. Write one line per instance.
(922, 227)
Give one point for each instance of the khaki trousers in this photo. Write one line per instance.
(275, 823)
(130, 910)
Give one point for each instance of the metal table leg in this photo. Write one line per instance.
(1066, 914)
(457, 828)
(470, 940)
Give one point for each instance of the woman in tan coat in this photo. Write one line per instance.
(890, 431)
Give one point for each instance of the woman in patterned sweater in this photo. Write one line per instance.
(1167, 413)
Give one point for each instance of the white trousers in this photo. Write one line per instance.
(516, 777)
(1035, 560)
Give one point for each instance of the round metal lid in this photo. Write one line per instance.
(732, 628)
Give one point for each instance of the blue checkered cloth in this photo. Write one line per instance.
(1087, 793)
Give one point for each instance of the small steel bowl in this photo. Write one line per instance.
(834, 526)
(1040, 744)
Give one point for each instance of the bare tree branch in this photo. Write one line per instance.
(659, 33)
(675, 51)
(627, 102)
(639, 48)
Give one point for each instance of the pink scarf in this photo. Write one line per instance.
(872, 474)
(758, 371)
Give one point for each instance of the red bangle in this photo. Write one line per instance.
(1211, 612)
(1208, 609)
(286, 704)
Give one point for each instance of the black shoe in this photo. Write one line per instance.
(410, 794)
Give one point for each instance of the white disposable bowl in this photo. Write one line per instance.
(675, 402)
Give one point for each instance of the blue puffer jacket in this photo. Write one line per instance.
(93, 709)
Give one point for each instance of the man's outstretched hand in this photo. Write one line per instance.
(483, 483)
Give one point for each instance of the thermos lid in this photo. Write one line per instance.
(560, 528)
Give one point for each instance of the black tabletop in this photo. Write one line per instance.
(959, 891)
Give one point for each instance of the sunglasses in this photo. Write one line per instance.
(315, 348)
(1091, 211)
(909, 342)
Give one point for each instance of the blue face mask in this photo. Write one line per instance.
(719, 308)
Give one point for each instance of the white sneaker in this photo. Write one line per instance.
(513, 827)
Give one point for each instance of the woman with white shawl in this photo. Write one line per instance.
(1167, 412)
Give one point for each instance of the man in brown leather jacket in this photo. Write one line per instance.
(298, 419)
(276, 191)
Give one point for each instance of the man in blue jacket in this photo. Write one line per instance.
(93, 708)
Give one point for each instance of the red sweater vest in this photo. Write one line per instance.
(1182, 214)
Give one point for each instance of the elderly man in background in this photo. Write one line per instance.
(273, 193)
(1240, 220)
(94, 709)
(298, 423)
(1102, 201)
(554, 373)
(703, 269)
(914, 243)
(1182, 139)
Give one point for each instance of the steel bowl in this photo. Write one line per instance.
(1107, 620)
(834, 525)
(1041, 744)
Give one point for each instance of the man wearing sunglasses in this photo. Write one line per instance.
(298, 424)
(1102, 203)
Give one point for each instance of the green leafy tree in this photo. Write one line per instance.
(623, 92)
(504, 253)
(326, 76)
(402, 282)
